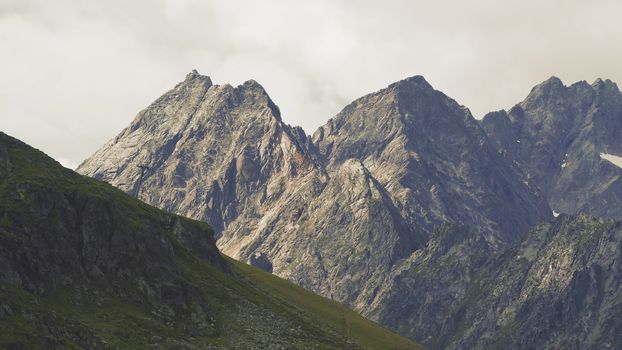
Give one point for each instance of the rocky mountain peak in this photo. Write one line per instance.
(552, 82)
(388, 98)
(408, 131)
(417, 81)
(400, 195)
(606, 83)
(194, 74)
(556, 135)
(606, 90)
(253, 90)
(407, 111)
(553, 94)
(252, 84)
(336, 214)
(549, 85)
(203, 150)
(548, 92)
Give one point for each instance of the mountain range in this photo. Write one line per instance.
(403, 206)
(348, 204)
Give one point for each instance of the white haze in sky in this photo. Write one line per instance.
(74, 73)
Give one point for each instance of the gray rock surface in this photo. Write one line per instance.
(557, 135)
(559, 288)
(434, 160)
(403, 206)
(335, 213)
(208, 152)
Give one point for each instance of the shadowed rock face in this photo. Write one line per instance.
(557, 135)
(558, 288)
(335, 213)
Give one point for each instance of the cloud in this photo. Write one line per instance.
(74, 73)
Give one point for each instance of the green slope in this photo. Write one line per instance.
(83, 265)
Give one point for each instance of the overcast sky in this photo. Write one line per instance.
(74, 73)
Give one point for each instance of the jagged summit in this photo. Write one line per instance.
(253, 87)
(606, 85)
(194, 74)
(194, 78)
(396, 180)
(218, 141)
(413, 138)
(557, 134)
(408, 101)
(415, 80)
(552, 81)
(253, 84)
(548, 90)
(554, 85)
(369, 188)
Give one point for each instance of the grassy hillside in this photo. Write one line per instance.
(83, 265)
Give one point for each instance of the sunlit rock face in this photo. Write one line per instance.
(403, 206)
(336, 212)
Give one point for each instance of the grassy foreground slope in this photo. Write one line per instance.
(83, 265)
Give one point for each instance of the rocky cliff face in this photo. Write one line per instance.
(562, 136)
(208, 152)
(84, 265)
(556, 289)
(434, 160)
(402, 206)
(335, 213)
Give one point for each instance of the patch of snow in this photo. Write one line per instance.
(555, 214)
(615, 160)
